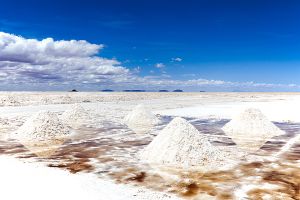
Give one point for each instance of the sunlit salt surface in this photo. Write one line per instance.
(110, 152)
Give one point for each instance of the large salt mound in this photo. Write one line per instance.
(141, 120)
(251, 129)
(76, 116)
(41, 133)
(180, 144)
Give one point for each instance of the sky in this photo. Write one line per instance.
(210, 45)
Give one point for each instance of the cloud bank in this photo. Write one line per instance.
(24, 61)
(30, 64)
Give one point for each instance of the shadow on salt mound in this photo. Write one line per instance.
(181, 145)
(250, 130)
(42, 133)
(141, 120)
(76, 116)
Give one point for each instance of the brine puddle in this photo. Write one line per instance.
(110, 153)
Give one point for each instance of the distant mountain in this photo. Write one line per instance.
(107, 90)
(134, 90)
(177, 90)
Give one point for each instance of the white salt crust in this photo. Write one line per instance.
(76, 116)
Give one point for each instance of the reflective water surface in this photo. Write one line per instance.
(110, 152)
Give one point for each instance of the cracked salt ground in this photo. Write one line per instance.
(109, 151)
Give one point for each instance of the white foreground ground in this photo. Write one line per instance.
(35, 182)
(32, 181)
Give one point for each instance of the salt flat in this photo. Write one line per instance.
(115, 145)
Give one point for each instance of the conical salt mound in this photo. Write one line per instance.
(42, 133)
(76, 116)
(180, 144)
(251, 129)
(141, 120)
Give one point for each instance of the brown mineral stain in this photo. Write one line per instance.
(75, 155)
(225, 196)
(74, 167)
(289, 180)
(140, 177)
(190, 190)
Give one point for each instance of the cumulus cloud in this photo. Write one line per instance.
(160, 65)
(25, 63)
(29, 60)
(163, 81)
(176, 59)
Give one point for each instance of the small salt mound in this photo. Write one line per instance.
(180, 144)
(141, 120)
(251, 129)
(42, 132)
(76, 116)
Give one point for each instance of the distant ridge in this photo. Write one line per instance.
(107, 90)
(134, 90)
(177, 90)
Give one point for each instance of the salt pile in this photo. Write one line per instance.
(41, 133)
(251, 129)
(141, 120)
(76, 116)
(181, 144)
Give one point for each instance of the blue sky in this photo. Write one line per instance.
(250, 45)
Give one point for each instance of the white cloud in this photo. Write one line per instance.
(177, 59)
(28, 63)
(137, 70)
(63, 62)
(159, 65)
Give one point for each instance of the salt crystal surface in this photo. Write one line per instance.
(3, 122)
(9, 100)
(251, 129)
(76, 116)
(181, 144)
(141, 120)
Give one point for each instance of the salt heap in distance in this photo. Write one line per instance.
(42, 133)
(181, 144)
(250, 130)
(141, 120)
(76, 116)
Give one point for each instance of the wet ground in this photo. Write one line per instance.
(110, 152)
